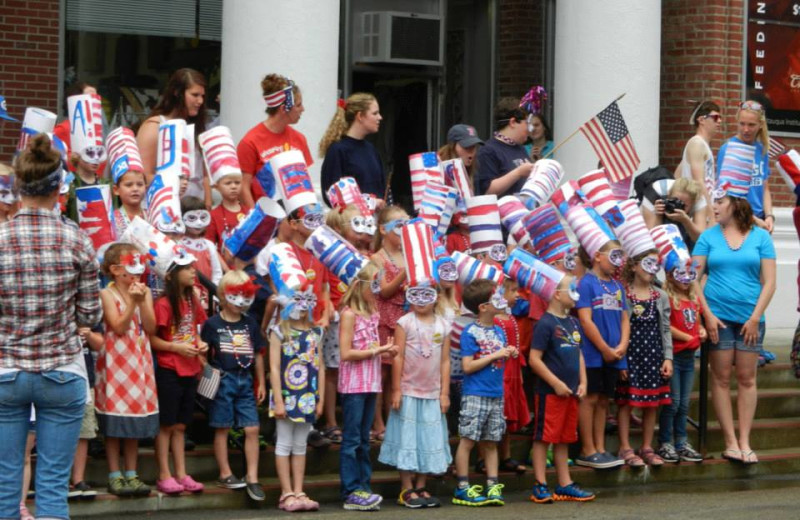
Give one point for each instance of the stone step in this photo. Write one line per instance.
(778, 403)
(325, 487)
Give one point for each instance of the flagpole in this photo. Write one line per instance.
(570, 136)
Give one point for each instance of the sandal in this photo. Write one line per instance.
(631, 459)
(307, 503)
(334, 434)
(282, 505)
(380, 436)
(749, 457)
(650, 457)
(513, 465)
(733, 456)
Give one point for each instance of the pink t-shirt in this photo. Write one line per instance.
(422, 362)
(358, 377)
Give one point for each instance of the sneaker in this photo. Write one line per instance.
(613, 459)
(469, 496)
(430, 500)
(317, 440)
(137, 487)
(572, 493)
(668, 452)
(598, 461)
(74, 493)
(768, 356)
(255, 491)
(541, 494)
(689, 454)
(86, 491)
(362, 501)
(495, 495)
(118, 486)
(231, 482)
(405, 499)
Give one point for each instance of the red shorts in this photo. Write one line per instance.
(556, 419)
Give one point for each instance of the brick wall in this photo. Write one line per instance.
(520, 46)
(702, 58)
(28, 62)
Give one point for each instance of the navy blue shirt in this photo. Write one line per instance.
(232, 345)
(560, 341)
(496, 159)
(355, 158)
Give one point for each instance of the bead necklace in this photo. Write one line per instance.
(732, 248)
(425, 342)
(503, 139)
(638, 307)
(237, 340)
(515, 327)
(611, 291)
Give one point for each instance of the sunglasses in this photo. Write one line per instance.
(714, 117)
(751, 105)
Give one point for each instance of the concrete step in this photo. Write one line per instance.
(777, 403)
(325, 487)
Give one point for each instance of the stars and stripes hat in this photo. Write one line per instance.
(590, 229)
(789, 168)
(36, 121)
(161, 252)
(672, 250)
(255, 230)
(219, 153)
(123, 153)
(541, 183)
(736, 170)
(336, 253)
(597, 189)
(630, 228)
(470, 268)
(424, 168)
(418, 253)
(293, 181)
(512, 211)
(86, 127)
(550, 240)
(485, 233)
(532, 274)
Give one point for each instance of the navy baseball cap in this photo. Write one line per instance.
(464, 135)
(4, 111)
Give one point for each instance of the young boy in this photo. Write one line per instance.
(235, 345)
(226, 216)
(606, 330)
(557, 361)
(484, 350)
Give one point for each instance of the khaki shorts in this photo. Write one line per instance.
(89, 423)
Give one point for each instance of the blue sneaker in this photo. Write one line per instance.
(768, 356)
(470, 496)
(599, 461)
(363, 501)
(572, 493)
(541, 494)
(495, 495)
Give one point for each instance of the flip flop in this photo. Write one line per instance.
(334, 434)
(730, 455)
(749, 458)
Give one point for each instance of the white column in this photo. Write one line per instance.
(298, 39)
(603, 49)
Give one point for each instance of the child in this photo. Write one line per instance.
(359, 384)
(484, 351)
(687, 334)
(8, 199)
(646, 384)
(196, 219)
(178, 350)
(235, 343)
(296, 400)
(356, 228)
(557, 361)
(92, 340)
(606, 329)
(416, 435)
(227, 215)
(458, 237)
(130, 189)
(127, 404)
(87, 173)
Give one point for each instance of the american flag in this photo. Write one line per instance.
(608, 135)
(776, 148)
(161, 201)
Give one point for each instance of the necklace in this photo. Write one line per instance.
(728, 242)
(425, 341)
(639, 306)
(611, 291)
(237, 340)
(515, 328)
(503, 139)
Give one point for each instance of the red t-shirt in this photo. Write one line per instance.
(457, 241)
(259, 144)
(685, 318)
(223, 222)
(187, 331)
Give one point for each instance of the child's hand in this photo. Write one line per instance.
(320, 409)
(609, 355)
(561, 389)
(397, 399)
(279, 410)
(444, 402)
(261, 393)
(620, 351)
(137, 292)
(581, 393)
(185, 349)
(703, 334)
(514, 351)
(666, 369)
(623, 375)
(202, 346)
(502, 353)
(84, 332)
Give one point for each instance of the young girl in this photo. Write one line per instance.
(130, 188)
(86, 174)
(355, 227)
(359, 384)
(296, 401)
(178, 351)
(8, 199)
(687, 334)
(209, 262)
(646, 384)
(390, 301)
(127, 404)
(416, 437)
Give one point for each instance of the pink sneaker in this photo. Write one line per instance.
(24, 514)
(169, 486)
(190, 485)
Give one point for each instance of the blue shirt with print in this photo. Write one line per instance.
(479, 341)
(607, 301)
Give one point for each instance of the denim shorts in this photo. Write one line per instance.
(732, 337)
(235, 403)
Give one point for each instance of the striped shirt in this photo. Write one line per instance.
(357, 377)
(48, 287)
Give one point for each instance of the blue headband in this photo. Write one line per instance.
(44, 186)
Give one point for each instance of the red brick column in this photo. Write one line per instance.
(520, 46)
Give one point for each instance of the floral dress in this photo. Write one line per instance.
(300, 365)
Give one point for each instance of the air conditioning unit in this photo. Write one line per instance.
(402, 38)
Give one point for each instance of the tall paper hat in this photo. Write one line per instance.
(36, 121)
(344, 192)
(550, 240)
(532, 274)
(789, 168)
(512, 211)
(294, 183)
(590, 229)
(95, 214)
(255, 230)
(219, 153)
(596, 188)
(631, 229)
(336, 253)
(123, 153)
(434, 206)
(175, 149)
(672, 250)
(161, 251)
(455, 174)
(450, 209)
(424, 167)
(295, 292)
(485, 234)
(470, 269)
(542, 182)
(164, 203)
(568, 195)
(417, 244)
(86, 127)
(736, 170)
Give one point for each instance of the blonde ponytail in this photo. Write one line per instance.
(343, 118)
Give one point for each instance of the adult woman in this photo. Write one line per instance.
(183, 98)
(667, 193)
(271, 136)
(48, 288)
(752, 130)
(739, 261)
(503, 163)
(462, 143)
(346, 152)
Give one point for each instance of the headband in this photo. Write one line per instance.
(694, 112)
(284, 97)
(44, 186)
(341, 103)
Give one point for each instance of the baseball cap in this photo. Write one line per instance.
(4, 111)
(464, 135)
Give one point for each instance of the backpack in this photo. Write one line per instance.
(643, 182)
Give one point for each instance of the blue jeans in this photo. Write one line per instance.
(235, 404)
(59, 398)
(673, 417)
(355, 466)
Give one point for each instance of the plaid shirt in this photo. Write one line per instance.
(48, 285)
